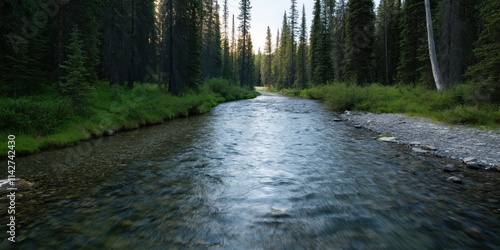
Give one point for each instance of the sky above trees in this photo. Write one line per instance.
(270, 13)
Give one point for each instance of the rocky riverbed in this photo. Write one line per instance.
(476, 148)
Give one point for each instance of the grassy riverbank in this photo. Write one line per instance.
(464, 104)
(50, 121)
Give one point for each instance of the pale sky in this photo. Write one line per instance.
(269, 13)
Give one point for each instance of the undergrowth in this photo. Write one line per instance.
(49, 121)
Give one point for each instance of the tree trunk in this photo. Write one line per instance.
(440, 85)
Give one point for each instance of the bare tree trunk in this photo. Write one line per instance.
(440, 85)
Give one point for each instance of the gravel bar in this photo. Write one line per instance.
(477, 148)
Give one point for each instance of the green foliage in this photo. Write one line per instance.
(34, 115)
(40, 122)
(460, 105)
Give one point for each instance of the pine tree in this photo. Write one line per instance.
(284, 55)
(266, 72)
(227, 64)
(413, 47)
(276, 61)
(486, 72)
(74, 83)
(301, 76)
(294, 30)
(245, 62)
(339, 39)
(321, 46)
(386, 40)
(359, 41)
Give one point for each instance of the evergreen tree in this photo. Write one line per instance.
(257, 68)
(339, 39)
(284, 55)
(321, 46)
(301, 76)
(386, 40)
(266, 72)
(227, 63)
(294, 28)
(458, 29)
(245, 62)
(359, 41)
(486, 72)
(413, 46)
(74, 83)
(23, 50)
(276, 62)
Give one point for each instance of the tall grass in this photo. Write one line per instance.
(460, 105)
(49, 121)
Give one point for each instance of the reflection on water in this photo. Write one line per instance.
(270, 173)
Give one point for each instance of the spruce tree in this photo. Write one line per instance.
(301, 76)
(339, 39)
(267, 60)
(413, 47)
(486, 72)
(74, 83)
(245, 62)
(359, 41)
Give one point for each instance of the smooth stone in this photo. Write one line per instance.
(454, 179)
(358, 126)
(109, 132)
(419, 150)
(473, 165)
(450, 168)
(387, 139)
(469, 159)
(428, 148)
(337, 120)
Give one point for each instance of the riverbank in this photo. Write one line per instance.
(461, 124)
(476, 148)
(47, 122)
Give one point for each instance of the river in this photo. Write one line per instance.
(273, 172)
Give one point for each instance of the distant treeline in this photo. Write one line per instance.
(350, 41)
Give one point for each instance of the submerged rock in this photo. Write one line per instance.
(473, 165)
(419, 150)
(450, 168)
(454, 179)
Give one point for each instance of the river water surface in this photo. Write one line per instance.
(273, 172)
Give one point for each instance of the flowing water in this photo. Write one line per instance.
(274, 172)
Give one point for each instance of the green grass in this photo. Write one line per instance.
(460, 105)
(49, 121)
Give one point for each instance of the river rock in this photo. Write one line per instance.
(358, 126)
(469, 159)
(20, 184)
(109, 132)
(450, 168)
(428, 148)
(454, 179)
(473, 165)
(337, 120)
(387, 139)
(419, 150)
